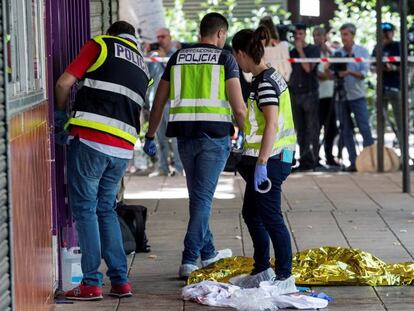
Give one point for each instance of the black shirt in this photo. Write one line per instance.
(300, 81)
(390, 78)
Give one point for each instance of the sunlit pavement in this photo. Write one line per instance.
(366, 211)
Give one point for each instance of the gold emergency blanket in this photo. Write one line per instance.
(320, 266)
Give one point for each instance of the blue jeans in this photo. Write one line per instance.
(93, 180)
(164, 145)
(263, 216)
(203, 160)
(359, 108)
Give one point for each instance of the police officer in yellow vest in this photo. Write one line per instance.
(203, 85)
(103, 129)
(270, 141)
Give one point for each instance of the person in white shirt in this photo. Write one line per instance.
(276, 52)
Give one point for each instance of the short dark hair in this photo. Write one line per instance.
(300, 26)
(121, 27)
(211, 23)
(350, 27)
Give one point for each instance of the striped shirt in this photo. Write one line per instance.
(263, 91)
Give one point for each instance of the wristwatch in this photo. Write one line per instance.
(261, 161)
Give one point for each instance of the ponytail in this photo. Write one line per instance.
(250, 42)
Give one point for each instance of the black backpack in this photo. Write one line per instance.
(132, 220)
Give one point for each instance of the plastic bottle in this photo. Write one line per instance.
(71, 267)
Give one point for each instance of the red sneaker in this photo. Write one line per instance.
(84, 292)
(121, 291)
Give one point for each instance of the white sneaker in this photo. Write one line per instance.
(185, 270)
(278, 287)
(224, 253)
(251, 281)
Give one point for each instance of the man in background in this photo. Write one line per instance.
(303, 85)
(391, 77)
(166, 48)
(355, 95)
(327, 118)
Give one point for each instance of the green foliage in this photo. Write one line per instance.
(362, 13)
(186, 30)
(364, 17)
(182, 29)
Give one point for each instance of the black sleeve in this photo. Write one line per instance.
(171, 62)
(231, 68)
(314, 52)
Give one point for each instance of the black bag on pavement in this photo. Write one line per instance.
(135, 217)
(128, 238)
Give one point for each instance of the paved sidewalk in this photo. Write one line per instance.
(366, 211)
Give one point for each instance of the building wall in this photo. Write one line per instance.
(5, 271)
(29, 156)
(103, 14)
(327, 11)
(31, 209)
(68, 28)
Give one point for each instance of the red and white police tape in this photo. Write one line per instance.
(387, 59)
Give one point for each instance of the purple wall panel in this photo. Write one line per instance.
(67, 29)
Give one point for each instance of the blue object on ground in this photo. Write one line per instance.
(322, 295)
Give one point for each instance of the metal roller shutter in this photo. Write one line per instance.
(5, 279)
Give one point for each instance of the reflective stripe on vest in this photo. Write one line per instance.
(104, 124)
(115, 88)
(198, 93)
(255, 125)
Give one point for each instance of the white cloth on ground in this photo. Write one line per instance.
(261, 298)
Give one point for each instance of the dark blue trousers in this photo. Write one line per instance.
(264, 219)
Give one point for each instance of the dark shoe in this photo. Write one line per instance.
(350, 169)
(332, 162)
(84, 292)
(121, 291)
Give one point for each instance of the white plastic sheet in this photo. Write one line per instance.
(258, 299)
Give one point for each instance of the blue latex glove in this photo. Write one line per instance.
(149, 147)
(61, 135)
(322, 295)
(260, 175)
(61, 117)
